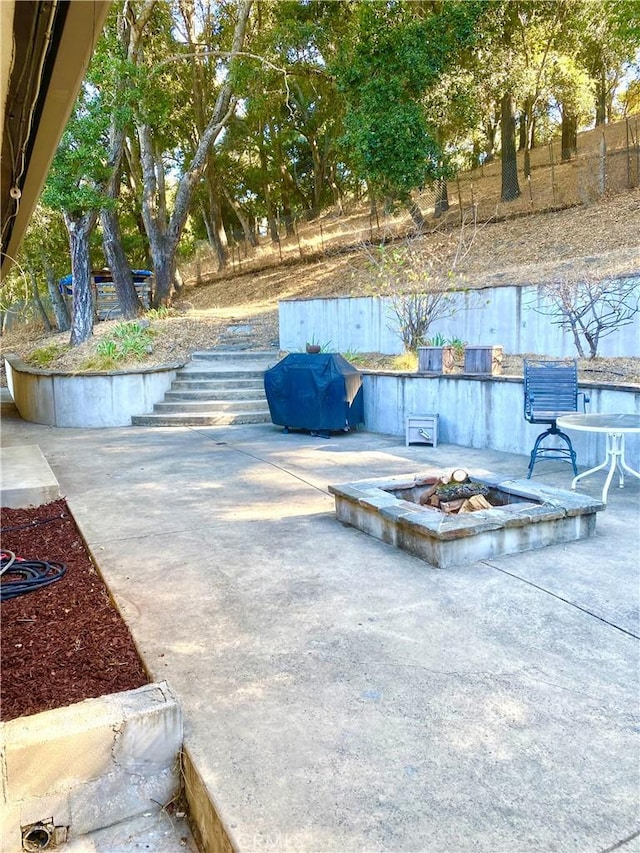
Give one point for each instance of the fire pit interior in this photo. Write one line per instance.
(456, 517)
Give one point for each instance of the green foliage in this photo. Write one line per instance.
(436, 340)
(44, 356)
(352, 355)
(79, 165)
(399, 53)
(458, 346)
(108, 349)
(161, 313)
(129, 342)
(324, 347)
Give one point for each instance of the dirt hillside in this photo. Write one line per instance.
(599, 239)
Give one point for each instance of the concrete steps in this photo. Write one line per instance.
(216, 388)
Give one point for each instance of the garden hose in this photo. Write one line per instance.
(22, 576)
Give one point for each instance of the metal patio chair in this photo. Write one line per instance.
(550, 391)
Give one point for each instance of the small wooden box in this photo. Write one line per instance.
(422, 429)
(436, 359)
(487, 359)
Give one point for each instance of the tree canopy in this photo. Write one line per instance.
(205, 119)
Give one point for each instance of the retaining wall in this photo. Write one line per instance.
(71, 771)
(486, 411)
(88, 400)
(508, 315)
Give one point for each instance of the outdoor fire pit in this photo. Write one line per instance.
(520, 516)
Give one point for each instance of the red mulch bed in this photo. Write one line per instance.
(64, 642)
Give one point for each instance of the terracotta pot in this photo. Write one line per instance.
(313, 348)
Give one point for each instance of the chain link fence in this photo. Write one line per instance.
(607, 161)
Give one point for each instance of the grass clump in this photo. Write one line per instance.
(45, 356)
(131, 341)
(407, 361)
(161, 313)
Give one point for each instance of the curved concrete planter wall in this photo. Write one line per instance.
(89, 400)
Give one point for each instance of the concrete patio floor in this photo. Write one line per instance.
(340, 695)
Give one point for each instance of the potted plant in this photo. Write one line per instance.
(437, 356)
(313, 346)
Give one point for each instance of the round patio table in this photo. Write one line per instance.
(616, 426)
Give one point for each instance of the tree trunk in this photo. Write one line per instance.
(528, 138)
(36, 298)
(249, 233)
(264, 166)
(522, 131)
(130, 305)
(416, 214)
(442, 198)
(335, 190)
(217, 232)
(318, 176)
(164, 263)
(491, 131)
(57, 300)
(164, 233)
(273, 223)
(569, 139)
(287, 217)
(80, 229)
(601, 98)
(510, 184)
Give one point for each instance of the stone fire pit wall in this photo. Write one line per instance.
(532, 516)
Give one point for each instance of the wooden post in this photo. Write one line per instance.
(602, 176)
(637, 155)
(629, 182)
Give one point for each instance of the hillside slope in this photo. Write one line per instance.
(601, 239)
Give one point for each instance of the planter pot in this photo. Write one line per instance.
(436, 359)
(483, 359)
(313, 348)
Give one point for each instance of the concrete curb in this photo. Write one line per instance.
(71, 771)
(27, 479)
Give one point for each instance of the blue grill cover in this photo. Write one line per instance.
(321, 391)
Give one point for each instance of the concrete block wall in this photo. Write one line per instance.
(91, 764)
(485, 412)
(515, 317)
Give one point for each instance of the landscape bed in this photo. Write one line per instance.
(65, 642)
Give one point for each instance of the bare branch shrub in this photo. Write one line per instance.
(419, 293)
(591, 309)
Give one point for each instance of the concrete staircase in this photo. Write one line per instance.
(216, 388)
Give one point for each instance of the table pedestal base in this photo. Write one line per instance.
(614, 459)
